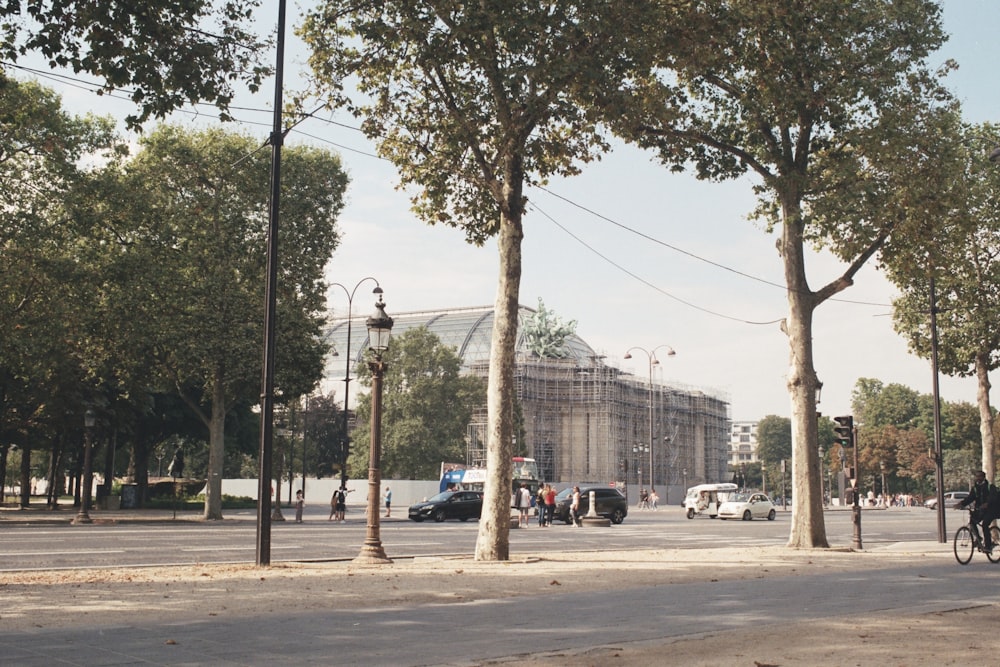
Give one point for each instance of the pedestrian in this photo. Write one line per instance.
(643, 500)
(653, 499)
(574, 507)
(522, 501)
(342, 503)
(550, 504)
(388, 502)
(300, 502)
(333, 504)
(540, 504)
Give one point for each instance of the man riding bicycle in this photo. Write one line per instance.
(984, 495)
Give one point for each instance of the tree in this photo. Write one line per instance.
(186, 241)
(427, 406)
(167, 53)
(774, 440)
(472, 101)
(808, 97)
(963, 258)
(45, 155)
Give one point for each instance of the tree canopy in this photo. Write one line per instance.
(162, 53)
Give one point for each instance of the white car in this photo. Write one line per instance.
(747, 506)
(951, 499)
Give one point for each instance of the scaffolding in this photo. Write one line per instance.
(588, 422)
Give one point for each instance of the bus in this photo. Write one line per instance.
(454, 476)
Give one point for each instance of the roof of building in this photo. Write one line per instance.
(468, 330)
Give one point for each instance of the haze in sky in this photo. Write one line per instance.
(636, 255)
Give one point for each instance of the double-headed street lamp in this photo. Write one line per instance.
(379, 330)
(653, 361)
(345, 447)
(89, 420)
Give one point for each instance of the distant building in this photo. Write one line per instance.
(583, 419)
(743, 443)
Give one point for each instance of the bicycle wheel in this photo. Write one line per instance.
(964, 545)
(994, 555)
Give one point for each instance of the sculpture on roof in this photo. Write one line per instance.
(545, 334)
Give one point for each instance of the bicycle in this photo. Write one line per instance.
(968, 541)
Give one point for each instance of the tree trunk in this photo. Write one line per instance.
(986, 417)
(493, 542)
(25, 476)
(216, 450)
(808, 529)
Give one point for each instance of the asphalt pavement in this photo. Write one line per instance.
(471, 633)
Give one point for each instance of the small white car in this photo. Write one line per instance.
(747, 506)
(951, 499)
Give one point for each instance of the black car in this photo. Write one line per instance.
(461, 505)
(610, 502)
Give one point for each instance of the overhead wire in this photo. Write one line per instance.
(97, 89)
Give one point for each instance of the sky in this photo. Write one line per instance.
(635, 255)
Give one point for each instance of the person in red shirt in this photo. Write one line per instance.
(550, 504)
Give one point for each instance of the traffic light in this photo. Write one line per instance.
(844, 431)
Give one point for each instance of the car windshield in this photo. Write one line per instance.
(441, 497)
(739, 498)
(564, 494)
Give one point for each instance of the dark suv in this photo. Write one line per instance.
(610, 502)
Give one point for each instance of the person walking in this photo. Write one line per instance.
(300, 502)
(388, 502)
(522, 501)
(540, 505)
(574, 507)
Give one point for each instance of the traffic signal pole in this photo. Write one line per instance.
(856, 510)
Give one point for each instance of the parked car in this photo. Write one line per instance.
(747, 506)
(609, 503)
(951, 499)
(461, 505)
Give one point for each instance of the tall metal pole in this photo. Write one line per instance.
(938, 460)
(652, 470)
(83, 516)
(856, 509)
(270, 298)
(345, 445)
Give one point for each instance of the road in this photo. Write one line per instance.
(135, 544)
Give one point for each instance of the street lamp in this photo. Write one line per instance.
(345, 447)
(885, 496)
(379, 330)
(89, 419)
(653, 361)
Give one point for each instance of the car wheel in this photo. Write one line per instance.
(568, 519)
(439, 516)
(771, 515)
(747, 515)
(617, 517)
(690, 512)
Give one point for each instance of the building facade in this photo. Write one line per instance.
(583, 419)
(743, 443)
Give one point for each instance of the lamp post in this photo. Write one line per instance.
(885, 496)
(822, 494)
(89, 419)
(379, 330)
(653, 361)
(638, 453)
(345, 446)
(684, 476)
